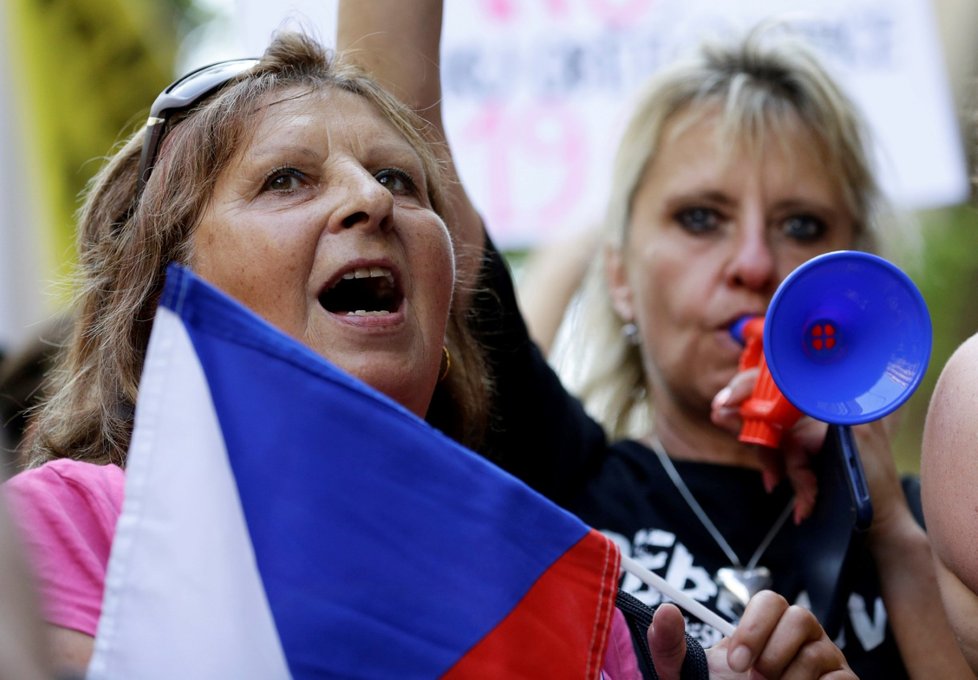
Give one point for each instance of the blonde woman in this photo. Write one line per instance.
(737, 166)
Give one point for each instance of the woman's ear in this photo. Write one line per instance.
(617, 280)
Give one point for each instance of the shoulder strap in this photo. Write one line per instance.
(638, 615)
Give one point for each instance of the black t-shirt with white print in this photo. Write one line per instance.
(633, 500)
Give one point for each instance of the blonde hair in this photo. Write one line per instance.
(126, 240)
(756, 85)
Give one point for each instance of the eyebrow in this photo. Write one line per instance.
(708, 195)
(276, 150)
(401, 148)
(826, 209)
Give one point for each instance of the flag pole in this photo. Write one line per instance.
(692, 606)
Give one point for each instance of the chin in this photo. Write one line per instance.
(412, 392)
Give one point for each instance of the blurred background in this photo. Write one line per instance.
(535, 92)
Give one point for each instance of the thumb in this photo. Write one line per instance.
(667, 641)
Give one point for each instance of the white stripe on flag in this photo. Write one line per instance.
(180, 491)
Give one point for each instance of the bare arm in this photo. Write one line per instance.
(905, 565)
(23, 653)
(552, 275)
(399, 42)
(70, 651)
(949, 476)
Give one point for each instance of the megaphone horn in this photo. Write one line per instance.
(847, 337)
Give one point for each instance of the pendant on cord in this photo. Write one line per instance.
(741, 584)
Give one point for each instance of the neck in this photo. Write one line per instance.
(686, 436)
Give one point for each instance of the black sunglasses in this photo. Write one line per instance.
(181, 95)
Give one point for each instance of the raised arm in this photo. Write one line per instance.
(398, 43)
(949, 476)
(538, 432)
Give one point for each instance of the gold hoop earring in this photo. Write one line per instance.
(446, 363)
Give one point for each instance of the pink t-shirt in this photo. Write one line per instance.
(66, 512)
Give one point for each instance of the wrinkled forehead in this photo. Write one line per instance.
(330, 108)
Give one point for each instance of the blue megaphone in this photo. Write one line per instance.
(847, 339)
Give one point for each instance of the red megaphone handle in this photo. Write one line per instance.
(766, 413)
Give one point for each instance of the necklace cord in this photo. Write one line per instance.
(705, 520)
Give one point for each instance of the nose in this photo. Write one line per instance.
(751, 264)
(364, 202)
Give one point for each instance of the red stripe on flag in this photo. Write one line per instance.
(560, 627)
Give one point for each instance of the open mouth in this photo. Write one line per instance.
(364, 291)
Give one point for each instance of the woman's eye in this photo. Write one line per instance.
(699, 220)
(397, 182)
(804, 228)
(284, 180)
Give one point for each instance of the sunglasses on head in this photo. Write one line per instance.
(179, 96)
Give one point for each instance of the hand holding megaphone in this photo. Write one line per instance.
(846, 340)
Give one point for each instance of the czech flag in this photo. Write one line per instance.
(283, 519)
